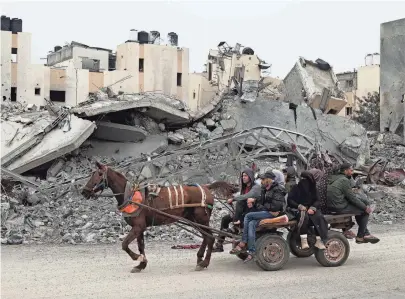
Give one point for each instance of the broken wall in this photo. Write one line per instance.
(129, 85)
(306, 82)
(6, 65)
(392, 74)
(200, 92)
(23, 63)
(77, 86)
(36, 86)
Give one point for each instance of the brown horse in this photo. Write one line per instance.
(194, 203)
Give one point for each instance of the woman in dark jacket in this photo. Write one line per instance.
(304, 203)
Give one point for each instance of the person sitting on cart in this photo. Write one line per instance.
(249, 189)
(271, 204)
(342, 200)
(304, 203)
(290, 177)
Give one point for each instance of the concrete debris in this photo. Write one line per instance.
(340, 136)
(161, 126)
(228, 125)
(117, 132)
(250, 90)
(176, 138)
(36, 143)
(315, 84)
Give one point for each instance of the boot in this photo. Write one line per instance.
(304, 242)
(319, 244)
(218, 247)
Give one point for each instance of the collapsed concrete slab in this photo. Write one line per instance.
(117, 132)
(54, 144)
(314, 83)
(152, 144)
(157, 106)
(392, 75)
(340, 136)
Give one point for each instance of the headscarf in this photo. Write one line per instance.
(279, 177)
(318, 174)
(251, 176)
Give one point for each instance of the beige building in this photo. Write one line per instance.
(74, 71)
(359, 83)
(139, 67)
(20, 79)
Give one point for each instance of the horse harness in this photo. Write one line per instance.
(133, 195)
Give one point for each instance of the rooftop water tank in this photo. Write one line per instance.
(155, 37)
(16, 25)
(173, 39)
(133, 36)
(57, 48)
(143, 37)
(5, 23)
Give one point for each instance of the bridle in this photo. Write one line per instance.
(100, 186)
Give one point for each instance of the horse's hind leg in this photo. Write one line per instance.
(132, 235)
(141, 248)
(201, 251)
(209, 244)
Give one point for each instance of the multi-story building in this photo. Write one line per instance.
(20, 79)
(359, 83)
(142, 64)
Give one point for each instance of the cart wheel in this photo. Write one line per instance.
(272, 252)
(294, 241)
(337, 250)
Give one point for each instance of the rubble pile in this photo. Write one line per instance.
(64, 216)
(388, 146)
(389, 201)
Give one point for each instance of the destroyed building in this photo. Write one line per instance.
(392, 43)
(140, 111)
(314, 84)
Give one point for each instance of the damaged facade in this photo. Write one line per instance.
(140, 111)
(392, 104)
(314, 84)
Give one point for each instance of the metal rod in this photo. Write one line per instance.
(186, 221)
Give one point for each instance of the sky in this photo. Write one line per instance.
(341, 33)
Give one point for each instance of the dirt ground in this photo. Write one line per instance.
(103, 271)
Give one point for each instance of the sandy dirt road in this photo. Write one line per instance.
(103, 271)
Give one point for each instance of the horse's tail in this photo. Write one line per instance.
(226, 189)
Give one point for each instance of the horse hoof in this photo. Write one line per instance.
(199, 268)
(136, 270)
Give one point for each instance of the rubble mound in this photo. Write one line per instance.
(388, 146)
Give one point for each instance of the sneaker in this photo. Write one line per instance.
(371, 239)
(319, 244)
(304, 243)
(218, 248)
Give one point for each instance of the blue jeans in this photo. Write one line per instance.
(249, 227)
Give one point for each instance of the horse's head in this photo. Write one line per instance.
(97, 182)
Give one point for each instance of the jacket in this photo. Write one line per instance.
(272, 200)
(340, 194)
(255, 190)
(304, 194)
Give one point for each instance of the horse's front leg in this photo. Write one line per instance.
(141, 247)
(134, 233)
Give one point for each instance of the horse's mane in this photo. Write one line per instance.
(119, 174)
